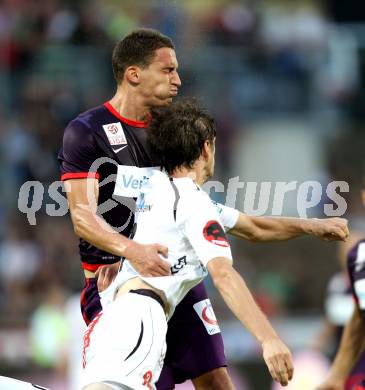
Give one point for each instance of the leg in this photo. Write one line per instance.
(13, 384)
(194, 344)
(106, 386)
(217, 379)
(125, 345)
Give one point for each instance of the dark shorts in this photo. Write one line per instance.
(191, 350)
(356, 380)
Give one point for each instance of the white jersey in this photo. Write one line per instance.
(177, 213)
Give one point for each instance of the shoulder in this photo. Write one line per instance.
(196, 202)
(81, 127)
(356, 255)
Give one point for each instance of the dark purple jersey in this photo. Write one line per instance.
(356, 270)
(94, 144)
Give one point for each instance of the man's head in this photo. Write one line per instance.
(146, 60)
(182, 135)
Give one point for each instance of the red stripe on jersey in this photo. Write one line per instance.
(91, 267)
(125, 120)
(80, 175)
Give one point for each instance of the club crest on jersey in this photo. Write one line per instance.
(115, 133)
(214, 233)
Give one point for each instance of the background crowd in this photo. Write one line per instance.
(285, 82)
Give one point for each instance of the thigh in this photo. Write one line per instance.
(194, 341)
(126, 343)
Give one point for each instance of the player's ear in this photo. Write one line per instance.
(206, 149)
(132, 74)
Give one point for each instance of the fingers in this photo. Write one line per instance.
(279, 362)
(161, 268)
(105, 276)
(162, 250)
(290, 367)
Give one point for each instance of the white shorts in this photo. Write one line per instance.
(13, 384)
(126, 343)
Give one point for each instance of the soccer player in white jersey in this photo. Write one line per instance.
(124, 345)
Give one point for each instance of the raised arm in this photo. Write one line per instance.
(263, 229)
(93, 229)
(239, 299)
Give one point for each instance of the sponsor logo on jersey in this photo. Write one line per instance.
(130, 180)
(141, 205)
(115, 133)
(205, 312)
(214, 233)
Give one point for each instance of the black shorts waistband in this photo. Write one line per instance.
(149, 293)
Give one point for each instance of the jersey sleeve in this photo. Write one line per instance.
(78, 152)
(227, 215)
(200, 223)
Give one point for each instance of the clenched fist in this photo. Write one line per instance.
(330, 229)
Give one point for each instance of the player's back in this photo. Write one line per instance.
(176, 213)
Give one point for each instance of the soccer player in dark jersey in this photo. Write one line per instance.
(101, 149)
(348, 369)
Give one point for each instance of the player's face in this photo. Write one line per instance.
(159, 81)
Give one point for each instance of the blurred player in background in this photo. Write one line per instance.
(129, 350)
(145, 69)
(347, 372)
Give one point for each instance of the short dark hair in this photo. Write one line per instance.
(137, 48)
(177, 134)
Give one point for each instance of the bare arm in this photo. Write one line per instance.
(93, 229)
(351, 346)
(261, 229)
(239, 299)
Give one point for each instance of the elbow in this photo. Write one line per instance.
(256, 235)
(222, 277)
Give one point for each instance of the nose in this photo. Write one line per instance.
(176, 80)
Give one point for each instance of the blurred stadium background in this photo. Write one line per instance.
(285, 82)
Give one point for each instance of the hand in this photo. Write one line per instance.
(146, 259)
(330, 229)
(105, 275)
(332, 384)
(278, 360)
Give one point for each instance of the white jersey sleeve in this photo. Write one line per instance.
(200, 223)
(227, 215)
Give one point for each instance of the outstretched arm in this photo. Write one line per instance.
(261, 229)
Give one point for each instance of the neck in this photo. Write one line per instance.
(129, 104)
(197, 175)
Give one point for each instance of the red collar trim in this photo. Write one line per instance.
(109, 107)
